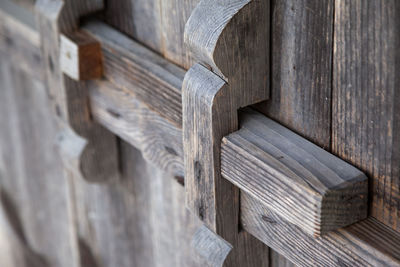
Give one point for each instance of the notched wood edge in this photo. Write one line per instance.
(210, 246)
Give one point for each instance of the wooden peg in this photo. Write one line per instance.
(230, 41)
(98, 159)
(80, 56)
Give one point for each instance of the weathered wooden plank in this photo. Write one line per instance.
(301, 67)
(277, 260)
(34, 191)
(385, 250)
(130, 65)
(21, 41)
(366, 111)
(366, 243)
(301, 182)
(174, 15)
(353, 251)
(231, 39)
(140, 220)
(99, 158)
(140, 19)
(124, 114)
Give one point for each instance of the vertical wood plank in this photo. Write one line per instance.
(140, 19)
(140, 220)
(174, 15)
(34, 192)
(301, 67)
(301, 51)
(277, 260)
(366, 97)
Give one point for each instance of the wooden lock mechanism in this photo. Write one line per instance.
(301, 182)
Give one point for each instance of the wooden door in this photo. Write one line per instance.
(94, 172)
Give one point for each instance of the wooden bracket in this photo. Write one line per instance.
(56, 20)
(230, 41)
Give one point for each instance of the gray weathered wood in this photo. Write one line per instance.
(366, 97)
(210, 246)
(139, 220)
(34, 191)
(140, 19)
(215, 32)
(98, 160)
(124, 114)
(301, 67)
(154, 80)
(309, 250)
(366, 243)
(21, 41)
(232, 39)
(301, 182)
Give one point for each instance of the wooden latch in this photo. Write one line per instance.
(85, 144)
(304, 184)
(230, 41)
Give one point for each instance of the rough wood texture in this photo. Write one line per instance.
(232, 39)
(301, 182)
(313, 250)
(209, 115)
(159, 24)
(159, 140)
(129, 65)
(140, 19)
(301, 67)
(366, 96)
(277, 260)
(80, 56)
(215, 32)
(210, 246)
(98, 160)
(344, 247)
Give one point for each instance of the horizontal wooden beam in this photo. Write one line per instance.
(367, 243)
(305, 184)
(131, 66)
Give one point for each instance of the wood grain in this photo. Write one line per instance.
(174, 16)
(301, 182)
(159, 140)
(366, 117)
(128, 64)
(232, 39)
(140, 19)
(99, 158)
(367, 243)
(301, 68)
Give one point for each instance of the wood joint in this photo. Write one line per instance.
(229, 39)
